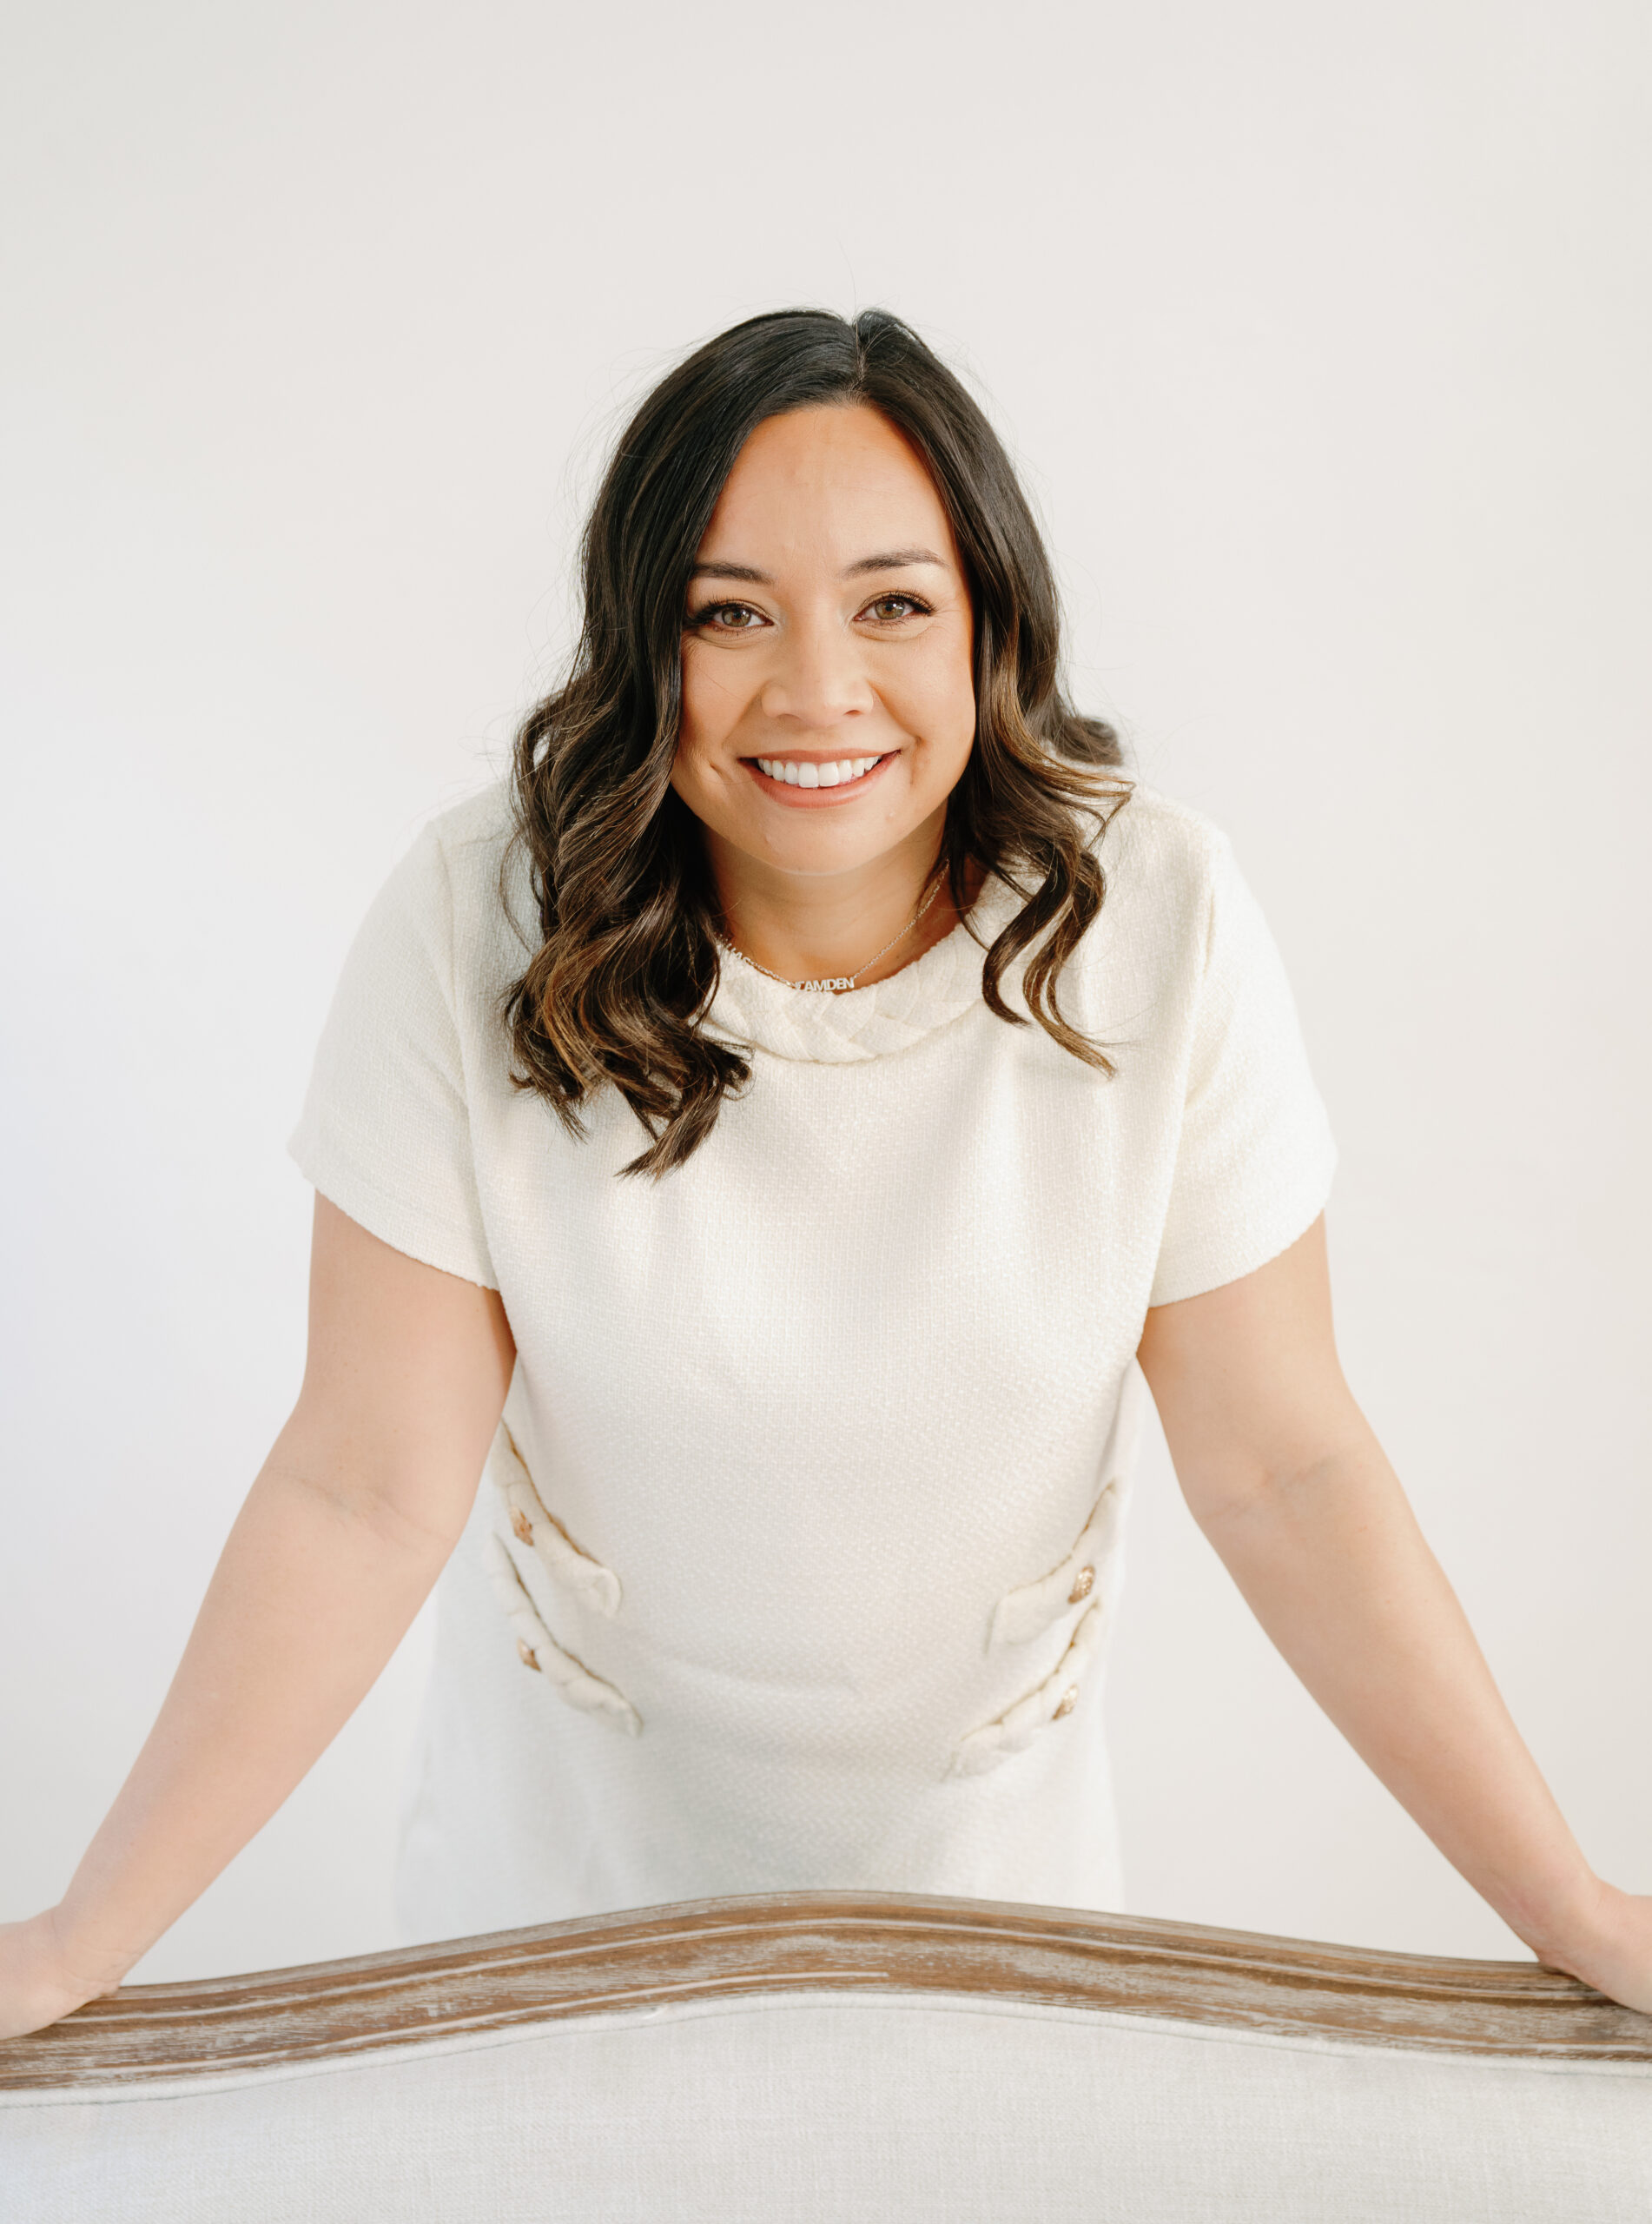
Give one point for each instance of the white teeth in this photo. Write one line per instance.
(796, 775)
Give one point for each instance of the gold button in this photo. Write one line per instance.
(1069, 1700)
(526, 1653)
(522, 1525)
(1083, 1585)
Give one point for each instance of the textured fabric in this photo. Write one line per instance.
(862, 1023)
(816, 2110)
(791, 1427)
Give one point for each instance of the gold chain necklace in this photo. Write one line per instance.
(837, 980)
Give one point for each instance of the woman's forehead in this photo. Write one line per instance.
(833, 484)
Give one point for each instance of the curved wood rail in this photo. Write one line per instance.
(815, 1941)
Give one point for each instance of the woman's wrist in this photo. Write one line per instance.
(84, 1952)
(1607, 1945)
(1569, 1924)
(36, 1986)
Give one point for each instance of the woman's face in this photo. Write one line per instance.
(829, 703)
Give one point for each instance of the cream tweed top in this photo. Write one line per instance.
(798, 1551)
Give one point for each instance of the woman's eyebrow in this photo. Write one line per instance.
(891, 559)
(887, 560)
(731, 572)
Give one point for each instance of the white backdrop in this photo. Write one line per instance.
(1323, 336)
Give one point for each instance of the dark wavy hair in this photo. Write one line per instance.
(626, 904)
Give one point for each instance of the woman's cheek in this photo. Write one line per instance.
(712, 701)
(945, 709)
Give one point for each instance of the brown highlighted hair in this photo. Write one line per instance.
(626, 904)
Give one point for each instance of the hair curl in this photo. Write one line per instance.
(629, 962)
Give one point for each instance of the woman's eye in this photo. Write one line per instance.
(727, 617)
(889, 609)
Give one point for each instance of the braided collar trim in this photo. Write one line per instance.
(870, 1022)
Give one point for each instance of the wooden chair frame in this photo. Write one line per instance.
(827, 1942)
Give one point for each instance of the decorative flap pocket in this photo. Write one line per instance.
(532, 1524)
(1053, 1701)
(1026, 1613)
(537, 1649)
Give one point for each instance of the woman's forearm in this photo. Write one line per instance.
(317, 1583)
(1283, 1474)
(1334, 1565)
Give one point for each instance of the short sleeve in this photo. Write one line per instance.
(386, 1132)
(1255, 1155)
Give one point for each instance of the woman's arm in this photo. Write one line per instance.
(1282, 1474)
(357, 1507)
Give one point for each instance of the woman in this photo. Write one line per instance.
(787, 1123)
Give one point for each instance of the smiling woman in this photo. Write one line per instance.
(809, 1456)
(810, 550)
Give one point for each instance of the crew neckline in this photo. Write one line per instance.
(824, 1028)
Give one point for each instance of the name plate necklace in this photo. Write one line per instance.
(838, 980)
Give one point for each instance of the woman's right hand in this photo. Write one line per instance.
(36, 1984)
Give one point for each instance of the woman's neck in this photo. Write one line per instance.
(825, 926)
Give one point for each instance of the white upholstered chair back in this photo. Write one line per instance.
(825, 2058)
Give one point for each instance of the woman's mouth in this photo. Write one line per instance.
(801, 775)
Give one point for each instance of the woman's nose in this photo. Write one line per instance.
(817, 678)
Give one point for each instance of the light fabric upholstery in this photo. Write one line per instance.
(812, 2108)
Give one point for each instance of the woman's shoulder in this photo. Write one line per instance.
(466, 856)
(459, 897)
(1162, 858)
(1163, 829)
(471, 837)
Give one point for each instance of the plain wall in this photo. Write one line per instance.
(1322, 335)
